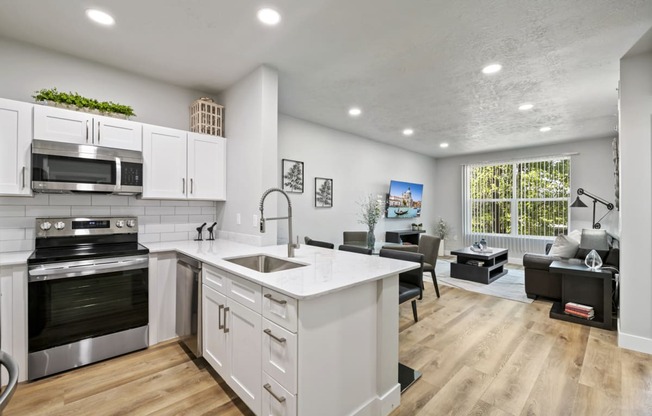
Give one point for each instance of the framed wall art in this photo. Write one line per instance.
(323, 193)
(292, 176)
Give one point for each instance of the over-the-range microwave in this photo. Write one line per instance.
(66, 167)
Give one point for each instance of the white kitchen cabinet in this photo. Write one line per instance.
(13, 317)
(162, 294)
(280, 355)
(15, 158)
(213, 335)
(60, 125)
(182, 165)
(276, 400)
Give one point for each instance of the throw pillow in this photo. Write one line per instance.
(593, 240)
(564, 246)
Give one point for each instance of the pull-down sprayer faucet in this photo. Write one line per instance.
(291, 246)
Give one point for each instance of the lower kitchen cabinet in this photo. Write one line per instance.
(213, 304)
(276, 400)
(13, 317)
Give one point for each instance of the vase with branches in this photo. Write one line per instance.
(443, 231)
(369, 215)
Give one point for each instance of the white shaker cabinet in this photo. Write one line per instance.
(15, 157)
(183, 165)
(214, 349)
(60, 125)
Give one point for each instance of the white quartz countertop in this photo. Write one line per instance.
(326, 270)
(14, 258)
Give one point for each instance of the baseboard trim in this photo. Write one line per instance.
(634, 342)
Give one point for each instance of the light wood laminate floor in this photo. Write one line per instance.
(479, 355)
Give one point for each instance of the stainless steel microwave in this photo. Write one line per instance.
(67, 167)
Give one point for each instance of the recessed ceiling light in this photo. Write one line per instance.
(443, 145)
(525, 107)
(355, 111)
(269, 16)
(100, 17)
(545, 129)
(408, 132)
(492, 69)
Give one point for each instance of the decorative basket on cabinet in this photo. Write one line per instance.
(206, 117)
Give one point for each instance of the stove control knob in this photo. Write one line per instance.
(45, 226)
(60, 225)
(119, 223)
(131, 223)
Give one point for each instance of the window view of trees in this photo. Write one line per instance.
(521, 198)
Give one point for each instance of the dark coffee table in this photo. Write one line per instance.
(492, 265)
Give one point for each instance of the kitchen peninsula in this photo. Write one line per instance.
(327, 332)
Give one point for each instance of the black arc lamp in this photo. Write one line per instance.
(580, 204)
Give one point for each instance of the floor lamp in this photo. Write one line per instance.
(579, 204)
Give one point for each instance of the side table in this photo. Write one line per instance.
(580, 284)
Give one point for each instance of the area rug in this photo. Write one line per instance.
(511, 286)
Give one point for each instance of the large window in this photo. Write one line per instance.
(522, 198)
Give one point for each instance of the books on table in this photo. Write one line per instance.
(579, 310)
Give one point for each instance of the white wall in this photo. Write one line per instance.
(251, 113)
(26, 68)
(358, 167)
(592, 169)
(635, 325)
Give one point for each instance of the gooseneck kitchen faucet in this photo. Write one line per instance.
(291, 246)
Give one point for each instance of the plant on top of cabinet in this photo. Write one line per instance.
(74, 100)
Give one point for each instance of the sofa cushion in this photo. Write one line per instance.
(538, 261)
(593, 240)
(564, 246)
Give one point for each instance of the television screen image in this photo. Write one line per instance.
(404, 200)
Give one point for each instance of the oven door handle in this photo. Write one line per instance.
(52, 273)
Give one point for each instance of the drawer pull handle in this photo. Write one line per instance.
(226, 330)
(281, 302)
(23, 177)
(268, 387)
(269, 332)
(220, 325)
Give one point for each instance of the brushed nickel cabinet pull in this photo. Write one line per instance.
(268, 387)
(183, 185)
(220, 325)
(23, 177)
(86, 131)
(226, 330)
(269, 332)
(98, 132)
(192, 187)
(281, 302)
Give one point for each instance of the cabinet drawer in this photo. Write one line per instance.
(280, 355)
(276, 400)
(214, 278)
(244, 292)
(280, 309)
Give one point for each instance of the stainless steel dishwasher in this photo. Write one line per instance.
(188, 321)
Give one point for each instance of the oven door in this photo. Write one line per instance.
(70, 303)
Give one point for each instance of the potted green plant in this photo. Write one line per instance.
(369, 216)
(74, 101)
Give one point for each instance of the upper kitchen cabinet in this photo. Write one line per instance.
(182, 165)
(68, 126)
(16, 136)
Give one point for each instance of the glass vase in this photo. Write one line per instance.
(371, 239)
(593, 260)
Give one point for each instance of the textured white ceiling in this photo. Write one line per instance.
(406, 63)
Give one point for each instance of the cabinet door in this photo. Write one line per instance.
(244, 372)
(16, 136)
(280, 355)
(206, 167)
(117, 133)
(164, 160)
(61, 125)
(214, 337)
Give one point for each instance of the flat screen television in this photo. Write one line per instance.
(404, 200)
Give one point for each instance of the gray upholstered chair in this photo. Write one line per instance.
(429, 247)
(410, 283)
(355, 238)
(356, 249)
(309, 241)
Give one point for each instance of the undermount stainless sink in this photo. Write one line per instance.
(264, 264)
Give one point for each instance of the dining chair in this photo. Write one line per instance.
(355, 249)
(309, 241)
(11, 366)
(410, 282)
(429, 247)
(355, 238)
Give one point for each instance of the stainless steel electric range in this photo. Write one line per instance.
(87, 293)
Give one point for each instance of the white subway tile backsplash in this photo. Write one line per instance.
(137, 202)
(174, 219)
(47, 211)
(130, 211)
(16, 245)
(16, 222)
(38, 199)
(188, 227)
(90, 211)
(174, 203)
(109, 200)
(208, 210)
(149, 238)
(159, 210)
(201, 218)
(12, 234)
(148, 219)
(187, 210)
(66, 199)
(159, 228)
(174, 236)
(12, 211)
(202, 203)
